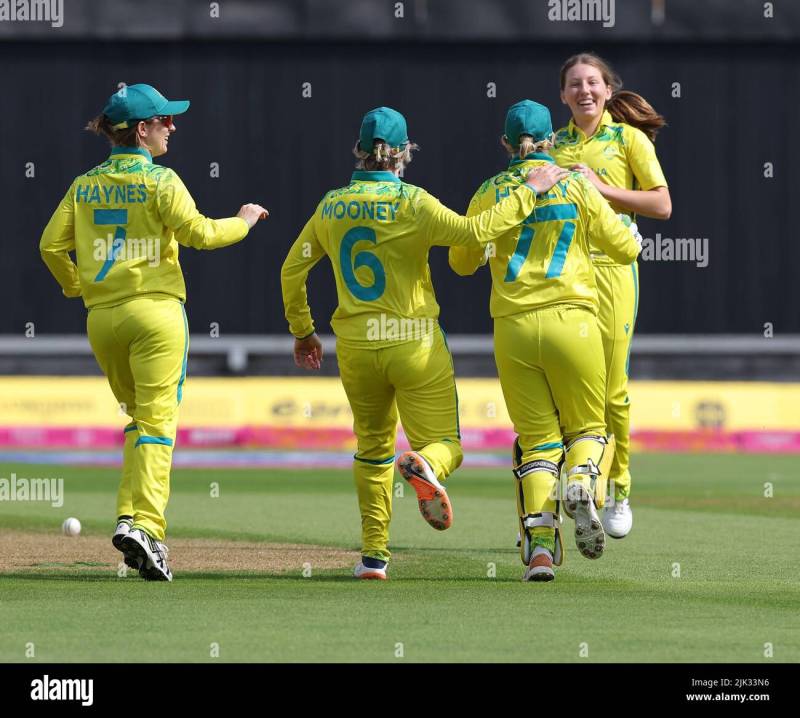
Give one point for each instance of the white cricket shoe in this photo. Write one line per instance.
(120, 532)
(589, 535)
(151, 555)
(364, 572)
(618, 519)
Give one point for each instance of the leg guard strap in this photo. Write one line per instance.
(536, 465)
(587, 469)
(597, 483)
(546, 519)
(599, 439)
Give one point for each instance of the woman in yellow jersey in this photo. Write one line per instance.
(548, 347)
(124, 219)
(610, 141)
(393, 356)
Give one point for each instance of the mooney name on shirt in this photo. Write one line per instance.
(382, 211)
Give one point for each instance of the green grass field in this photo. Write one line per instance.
(736, 550)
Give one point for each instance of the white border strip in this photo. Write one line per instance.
(240, 346)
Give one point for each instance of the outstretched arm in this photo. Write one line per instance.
(448, 228)
(466, 260)
(179, 212)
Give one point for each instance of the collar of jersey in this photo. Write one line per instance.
(532, 156)
(606, 119)
(132, 151)
(376, 176)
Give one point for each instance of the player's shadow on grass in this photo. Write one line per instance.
(59, 576)
(434, 549)
(599, 584)
(406, 577)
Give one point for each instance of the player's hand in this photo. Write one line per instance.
(541, 179)
(308, 352)
(632, 226)
(251, 213)
(637, 235)
(588, 172)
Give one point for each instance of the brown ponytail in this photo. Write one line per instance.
(632, 109)
(101, 126)
(624, 105)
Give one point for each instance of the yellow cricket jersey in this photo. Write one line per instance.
(619, 154)
(125, 219)
(546, 259)
(377, 232)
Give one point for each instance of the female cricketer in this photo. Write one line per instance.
(610, 141)
(547, 343)
(393, 356)
(124, 219)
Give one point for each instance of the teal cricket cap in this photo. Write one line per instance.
(140, 102)
(528, 118)
(383, 123)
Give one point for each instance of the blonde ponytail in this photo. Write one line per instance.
(527, 146)
(384, 157)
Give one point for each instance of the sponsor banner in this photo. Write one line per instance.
(343, 440)
(288, 413)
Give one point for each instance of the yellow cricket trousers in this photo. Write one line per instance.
(618, 292)
(415, 380)
(141, 346)
(551, 369)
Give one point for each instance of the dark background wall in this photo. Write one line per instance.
(737, 111)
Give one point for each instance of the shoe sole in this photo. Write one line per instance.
(539, 574)
(371, 577)
(129, 560)
(613, 536)
(590, 538)
(434, 503)
(148, 573)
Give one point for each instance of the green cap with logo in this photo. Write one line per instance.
(132, 103)
(385, 124)
(528, 118)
